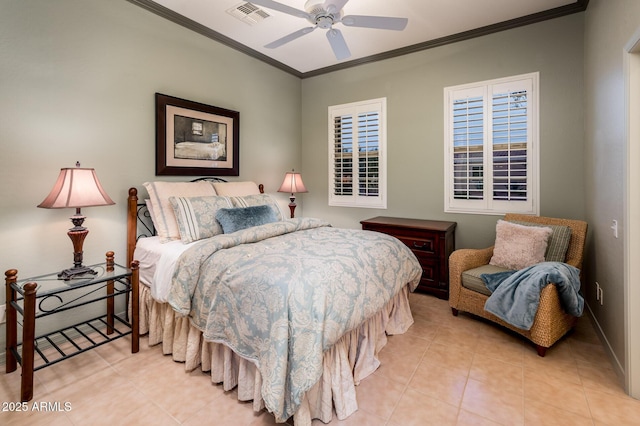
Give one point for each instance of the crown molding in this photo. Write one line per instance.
(578, 6)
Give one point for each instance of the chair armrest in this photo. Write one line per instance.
(574, 262)
(462, 260)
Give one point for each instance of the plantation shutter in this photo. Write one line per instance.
(468, 145)
(343, 155)
(368, 152)
(357, 163)
(511, 140)
(491, 146)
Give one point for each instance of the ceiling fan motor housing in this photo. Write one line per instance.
(321, 16)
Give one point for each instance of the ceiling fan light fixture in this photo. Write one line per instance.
(324, 22)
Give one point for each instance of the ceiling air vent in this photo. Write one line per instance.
(248, 13)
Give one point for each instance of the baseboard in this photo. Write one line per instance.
(617, 366)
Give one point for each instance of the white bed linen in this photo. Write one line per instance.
(157, 262)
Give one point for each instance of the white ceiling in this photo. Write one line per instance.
(431, 22)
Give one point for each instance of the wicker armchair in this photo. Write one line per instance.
(551, 322)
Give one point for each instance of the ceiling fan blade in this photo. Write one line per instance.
(380, 22)
(339, 46)
(334, 6)
(274, 5)
(290, 37)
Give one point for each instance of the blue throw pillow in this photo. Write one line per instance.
(235, 219)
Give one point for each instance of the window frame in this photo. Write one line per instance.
(355, 199)
(487, 204)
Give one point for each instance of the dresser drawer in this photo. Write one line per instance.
(430, 273)
(420, 245)
(424, 234)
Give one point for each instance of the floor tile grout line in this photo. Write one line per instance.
(583, 364)
(466, 383)
(406, 385)
(133, 383)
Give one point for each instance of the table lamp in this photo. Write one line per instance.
(76, 188)
(292, 183)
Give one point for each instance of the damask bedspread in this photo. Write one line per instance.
(281, 294)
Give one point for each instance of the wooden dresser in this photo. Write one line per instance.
(432, 241)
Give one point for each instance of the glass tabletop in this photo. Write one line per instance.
(50, 283)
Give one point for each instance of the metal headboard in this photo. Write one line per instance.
(145, 226)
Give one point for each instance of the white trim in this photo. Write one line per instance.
(378, 105)
(631, 228)
(488, 205)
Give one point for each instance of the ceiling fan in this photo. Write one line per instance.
(324, 15)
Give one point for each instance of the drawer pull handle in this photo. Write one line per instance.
(422, 246)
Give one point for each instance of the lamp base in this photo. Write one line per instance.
(70, 273)
(77, 234)
(292, 204)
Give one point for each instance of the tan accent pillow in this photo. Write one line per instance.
(519, 246)
(163, 216)
(236, 189)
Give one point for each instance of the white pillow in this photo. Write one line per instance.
(236, 189)
(519, 246)
(162, 214)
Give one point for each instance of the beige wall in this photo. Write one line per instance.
(77, 79)
(609, 25)
(77, 82)
(413, 85)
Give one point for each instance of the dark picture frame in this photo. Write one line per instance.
(194, 139)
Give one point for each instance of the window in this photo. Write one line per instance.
(491, 146)
(357, 154)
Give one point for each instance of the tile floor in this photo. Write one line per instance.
(445, 371)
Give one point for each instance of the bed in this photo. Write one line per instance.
(291, 312)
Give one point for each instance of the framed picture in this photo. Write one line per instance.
(195, 139)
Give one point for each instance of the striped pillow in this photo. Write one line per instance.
(558, 242)
(258, 200)
(161, 212)
(196, 216)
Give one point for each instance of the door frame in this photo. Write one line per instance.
(632, 216)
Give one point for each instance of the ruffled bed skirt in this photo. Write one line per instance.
(351, 359)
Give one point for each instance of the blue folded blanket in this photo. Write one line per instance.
(516, 294)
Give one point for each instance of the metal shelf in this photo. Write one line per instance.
(73, 340)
